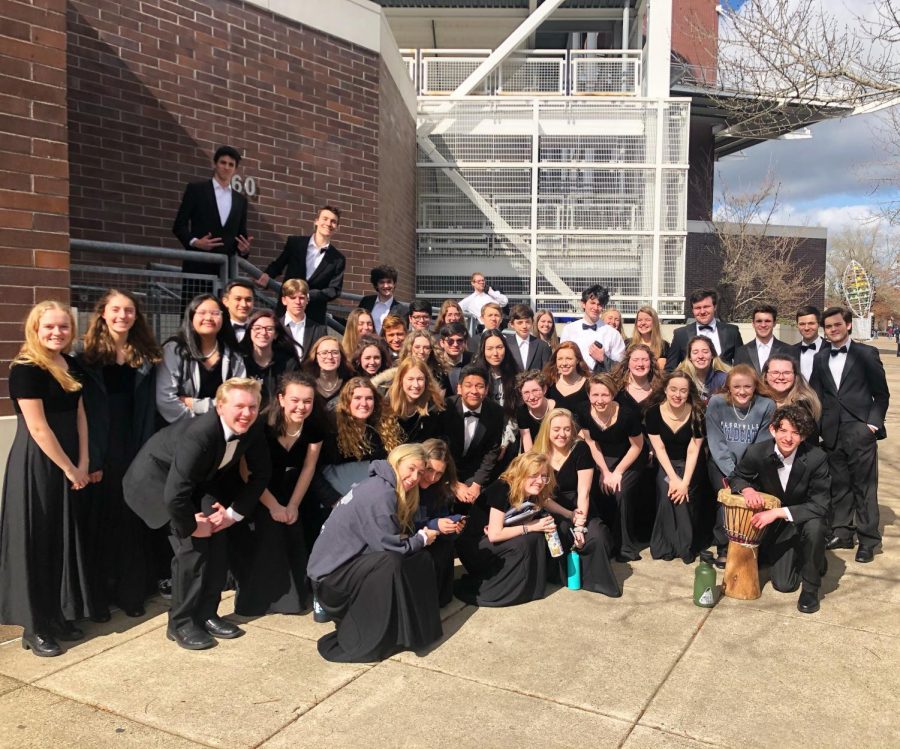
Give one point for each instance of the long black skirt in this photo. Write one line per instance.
(43, 570)
(673, 530)
(382, 602)
(596, 570)
(443, 552)
(503, 574)
(627, 520)
(273, 578)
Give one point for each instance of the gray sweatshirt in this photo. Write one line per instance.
(363, 522)
(729, 430)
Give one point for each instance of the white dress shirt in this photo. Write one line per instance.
(763, 351)
(469, 426)
(836, 364)
(223, 203)
(314, 255)
(297, 331)
(522, 343)
(230, 447)
(240, 330)
(713, 335)
(613, 344)
(784, 475)
(380, 310)
(473, 303)
(807, 357)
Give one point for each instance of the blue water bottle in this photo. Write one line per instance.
(573, 571)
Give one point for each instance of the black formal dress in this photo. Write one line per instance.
(574, 401)
(282, 361)
(120, 403)
(795, 550)
(325, 283)
(525, 420)
(596, 571)
(502, 574)
(614, 443)
(420, 427)
(43, 570)
(275, 575)
(433, 505)
(848, 409)
(673, 529)
(372, 577)
(180, 472)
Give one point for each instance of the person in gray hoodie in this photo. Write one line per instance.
(366, 569)
(735, 419)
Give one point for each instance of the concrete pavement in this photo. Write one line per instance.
(647, 670)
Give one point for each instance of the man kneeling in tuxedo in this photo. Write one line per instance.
(798, 475)
(188, 475)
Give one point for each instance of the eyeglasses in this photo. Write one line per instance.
(420, 317)
(455, 341)
(779, 375)
(261, 329)
(542, 478)
(204, 313)
(328, 354)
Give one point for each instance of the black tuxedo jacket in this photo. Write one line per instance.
(747, 354)
(808, 493)
(863, 395)
(397, 308)
(476, 465)
(198, 215)
(539, 353)
(729, 337)
(326, 282)
(179, 465)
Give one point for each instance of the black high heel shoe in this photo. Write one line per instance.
(41, 645)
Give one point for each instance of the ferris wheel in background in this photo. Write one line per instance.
(859, 295)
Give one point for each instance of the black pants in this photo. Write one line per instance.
(720, 537)
(795, 553)
(853, 464)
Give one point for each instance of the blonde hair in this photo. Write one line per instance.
(294, 286)
(656, 339)
(247, 384)
(34, 352)
(614, 311)
(542, 441)
(517, 474)
(553, 340)
(351, 336)
(353, 434)
(407, 501)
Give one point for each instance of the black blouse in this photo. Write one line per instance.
(526, 421)
(29, 381)
(676, 443)
(613, 441)
(580, 459)
(573, 402)
(210, 379)
(287, 464)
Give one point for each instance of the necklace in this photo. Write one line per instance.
(604, 425)
(327, 389)
(295, 434)
(204, 357)
(738, 416)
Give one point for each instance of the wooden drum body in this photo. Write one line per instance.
(742, 569)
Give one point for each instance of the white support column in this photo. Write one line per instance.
(659, 48)
(656, 263)
(511, 43)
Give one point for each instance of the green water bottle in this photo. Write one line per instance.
(705, 585)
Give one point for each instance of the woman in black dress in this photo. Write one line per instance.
(359, 323)
(328, 365)
(268, 351)
(614, 436)
(675, 427)
(636, 376)
(416, 400)
(567, 377)
(42, 570)
(367, 567)
(275, 579)
(119, 358)
(435, 501)
(535, 405)
(578, 527)
(507, 564)
(648, 331)
(371, 356)
(196, 360)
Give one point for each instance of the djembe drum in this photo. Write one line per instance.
(742, 569)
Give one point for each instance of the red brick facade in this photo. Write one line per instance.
(34, 187)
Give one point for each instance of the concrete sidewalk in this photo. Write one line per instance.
(646, 670)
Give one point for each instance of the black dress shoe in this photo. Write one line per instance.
(720, 561)
(165, 588)
(100, 617)
(134, 611)
(67, 633)
(41, 645)
(191, 637)
(865, 555)
(839, 543)
(808, 603)
(218, 627)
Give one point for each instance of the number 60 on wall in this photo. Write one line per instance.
(245, 185)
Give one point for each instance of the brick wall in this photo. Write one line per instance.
(155, 87)
(34, 187)
(695, 34)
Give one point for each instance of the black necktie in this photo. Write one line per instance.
(705, 327)
(841, 350)
(776, 460)
(585, 326)
(473, 414)
(807, 347)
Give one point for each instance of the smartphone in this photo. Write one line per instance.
(598, 344)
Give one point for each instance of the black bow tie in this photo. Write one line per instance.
(705, 327)
(841, 350)
(473, 414)
(776, 460)
(239, 325)
(585, 326)
(807, 347)
(233, 438)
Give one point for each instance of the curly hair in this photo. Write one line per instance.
(658, 396)
(353, 438)
(369, 341)
(621, 373)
